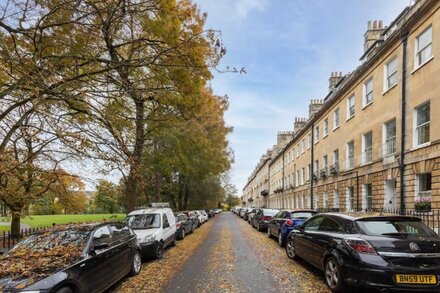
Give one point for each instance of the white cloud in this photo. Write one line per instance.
(243, 7)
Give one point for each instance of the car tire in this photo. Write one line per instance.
(159, 251)
(64, 290)
(182, 235)
(290, 249)
(280, 239)
(137, 264)
(333, 277)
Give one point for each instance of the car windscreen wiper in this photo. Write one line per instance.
(401, 234)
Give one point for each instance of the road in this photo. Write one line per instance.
(237, 258)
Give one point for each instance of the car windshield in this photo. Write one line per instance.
(302, 215)
(394, 228)
(144, 221)
(270, 213)
(52, 239)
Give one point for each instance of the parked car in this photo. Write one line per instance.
(251, 214)
(283, 222)
(381, 252)
(89, 258)
(210, 213)
(155, 229)
(205, 215)
(194, 218)
(243, 212)
(200, 216)
(262, 218)
(184, 225)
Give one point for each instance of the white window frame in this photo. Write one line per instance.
(417, 127)
(336, 119)
(389, 144)
(316, 134)
(309, 140)
(325, 199)
(350, 106)
(336, 198)
(325, 128)
(303, 144)
(349, 166)
(387, 75)
(417, 51)
(365, 197)
(367, 158)
(365, 94)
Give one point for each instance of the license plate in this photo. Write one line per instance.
(416, 279)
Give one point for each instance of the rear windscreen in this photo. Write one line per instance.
(390, 227)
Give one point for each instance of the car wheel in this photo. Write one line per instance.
(280, 239)
(268, 232)
(64, 290)
(136, 265)
(290, 249)
(159, 250)
(182, 235)
(333, 277)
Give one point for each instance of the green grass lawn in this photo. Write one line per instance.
(47, 220)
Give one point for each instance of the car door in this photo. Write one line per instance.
(97, 270)
(329, 232)
(279, 220)
(303, 238)
(273, 224)
(121, 247)
(167, 231)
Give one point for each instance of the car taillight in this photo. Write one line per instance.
(289, 222)
(265, 218)
(178, 225)
(361, 246)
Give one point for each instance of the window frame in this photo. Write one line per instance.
(365, 94)
(351, 107)
(336, 119)
(387, 76)
(418, 127)
(417, 51)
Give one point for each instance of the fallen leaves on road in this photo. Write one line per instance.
(220, 277)
(155, 274)
(291, 276)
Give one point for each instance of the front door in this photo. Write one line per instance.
(390, 195)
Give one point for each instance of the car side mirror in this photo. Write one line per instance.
(298, 227)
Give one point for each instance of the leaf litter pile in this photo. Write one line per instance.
(157, 273)
(291, 276)
(44, 253)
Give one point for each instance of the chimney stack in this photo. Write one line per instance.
(299, 123)
(373, 33)
(335, 77)
(283, 137)
(315, 106)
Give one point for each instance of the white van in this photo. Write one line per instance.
(155, 228)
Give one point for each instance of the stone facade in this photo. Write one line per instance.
(349, 149)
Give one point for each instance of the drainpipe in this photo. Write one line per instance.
(268, 185)
(404, 37)
(282, 180)
(357, 191)
(312, 149)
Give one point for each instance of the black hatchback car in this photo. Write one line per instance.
(71, 258)
(184, 225)
(381, 252)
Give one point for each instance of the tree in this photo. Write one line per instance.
(106, 198)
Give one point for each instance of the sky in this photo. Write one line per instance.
(289, 48)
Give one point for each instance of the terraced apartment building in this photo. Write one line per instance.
(374, 141)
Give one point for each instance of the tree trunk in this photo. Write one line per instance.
(131, 191)
(186, 199)
(157, 193)
(15, 224)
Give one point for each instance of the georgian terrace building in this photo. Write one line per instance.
(374, 141)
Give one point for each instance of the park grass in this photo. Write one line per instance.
(48, 220)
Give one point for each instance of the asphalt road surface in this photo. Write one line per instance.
(236, 258)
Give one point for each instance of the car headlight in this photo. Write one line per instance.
(148, 238)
